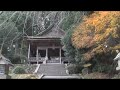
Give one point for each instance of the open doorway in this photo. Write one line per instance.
(42, 53)
(53, 52)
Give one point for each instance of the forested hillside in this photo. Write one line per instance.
(90, 41)
(14, 25)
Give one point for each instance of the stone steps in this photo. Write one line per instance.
(52, 70)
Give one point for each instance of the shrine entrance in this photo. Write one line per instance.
(47, 47)
(53, 53)
(42, 53)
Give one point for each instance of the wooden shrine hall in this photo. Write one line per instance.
(46, 48)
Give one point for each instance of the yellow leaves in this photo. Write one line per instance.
(98, 50)
(95, 30)
(88, 55)
(96, 37)
(85, 41)
(115, 33)
(100, 37)
(100, 24)
(113, 22)
(116, 47)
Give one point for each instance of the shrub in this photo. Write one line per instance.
(15, 60)
(74, 69)
(19, 70)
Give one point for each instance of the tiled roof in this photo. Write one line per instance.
(49, 33)
(54, 33)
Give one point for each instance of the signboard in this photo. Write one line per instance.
(2, 69)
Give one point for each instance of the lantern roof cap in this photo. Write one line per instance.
(4, 60)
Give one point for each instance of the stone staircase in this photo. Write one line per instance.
(52, 70)
(55, 71)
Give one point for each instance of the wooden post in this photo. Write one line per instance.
(46, 57)
(60, 56)
(37, 55)
(29, 51)
(47, 53)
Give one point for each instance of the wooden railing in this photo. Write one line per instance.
(52, 59)
(33, 59)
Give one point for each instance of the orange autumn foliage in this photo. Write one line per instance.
(99, 29)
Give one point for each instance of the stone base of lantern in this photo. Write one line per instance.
(3, 76)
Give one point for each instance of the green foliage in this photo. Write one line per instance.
(68, 25)
(67, 22)
(12, 25)
(74, 54)
(78, 56)
(74, 68)
(19, 70)
(102, 68)
(16, 24)
(72, 18)
(68, 48)
(15, 60)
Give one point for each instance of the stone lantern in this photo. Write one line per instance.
(86, 69)
(4, 67)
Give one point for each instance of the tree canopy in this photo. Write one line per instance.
(98, 35)
(14, 25)
(99, 30)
